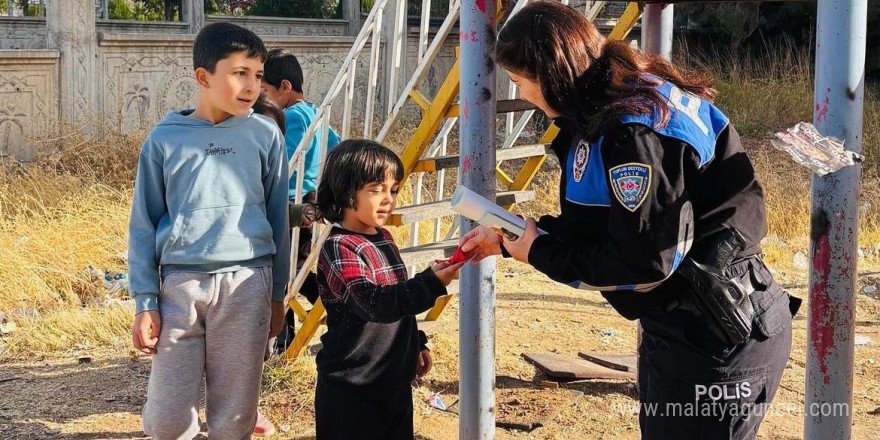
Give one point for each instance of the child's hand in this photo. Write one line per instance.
(278, 310)
(425, 363)
(446, 271)
(310, 215)
(145, 331)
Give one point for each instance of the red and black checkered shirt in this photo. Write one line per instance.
(372, 341)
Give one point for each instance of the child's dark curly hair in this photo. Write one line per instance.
(350, 166)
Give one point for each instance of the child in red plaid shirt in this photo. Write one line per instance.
(372, 349)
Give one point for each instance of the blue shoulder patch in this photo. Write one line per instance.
(630, 184)
(585, 182)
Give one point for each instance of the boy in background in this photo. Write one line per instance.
(283, 83)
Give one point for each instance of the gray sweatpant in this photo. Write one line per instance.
(213, 325)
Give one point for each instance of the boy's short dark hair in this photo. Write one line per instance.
(350, 166)
(267, 107)
(281, 65)
(217, 40)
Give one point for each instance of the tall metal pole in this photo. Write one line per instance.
(657, 29)
(839, 104)
(477, 167)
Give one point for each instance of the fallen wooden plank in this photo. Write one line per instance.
(619, 362)
(442, 208)
(566, 367)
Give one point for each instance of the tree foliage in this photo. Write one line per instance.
(742, 25)
(145, 10)
(276, 8)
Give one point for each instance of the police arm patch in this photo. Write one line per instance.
(630, 183)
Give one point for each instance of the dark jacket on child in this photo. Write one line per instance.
(372, 341)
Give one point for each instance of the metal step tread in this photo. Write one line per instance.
(432, 210)
(426, 253)
(501, 106)
(452, 161)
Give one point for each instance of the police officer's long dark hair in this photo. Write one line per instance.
(585, 77)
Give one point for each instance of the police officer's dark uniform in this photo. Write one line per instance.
(641, 202)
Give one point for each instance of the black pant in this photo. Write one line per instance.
(693, 387)
(309, 289)
(344, 415)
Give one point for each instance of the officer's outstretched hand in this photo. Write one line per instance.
(482, 240)
(519, 248)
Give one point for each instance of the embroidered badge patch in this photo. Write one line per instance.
(581, 157)
(630, 183)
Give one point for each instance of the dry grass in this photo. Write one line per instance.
(70, 210)
(767, 93)
(66, 211)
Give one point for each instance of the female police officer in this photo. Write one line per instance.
(661, 212)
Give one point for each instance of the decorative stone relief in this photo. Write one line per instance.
(22, 33)
(182, 92)
(137, 103)
(71, 30)
(27, 102)
(141, 84)
(264, 26)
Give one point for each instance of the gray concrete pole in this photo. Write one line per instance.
(839, 104)
(477, 167)
(657, 29)
(193, 12)
(71, 30)
(351, 11)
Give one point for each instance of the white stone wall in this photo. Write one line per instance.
(142, 77)
(138, 77)
(22, 33)
(285, 26)
(141, 27)
(145, 76)
(28, 98)
(130, 74)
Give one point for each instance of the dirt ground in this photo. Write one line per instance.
(59, 398)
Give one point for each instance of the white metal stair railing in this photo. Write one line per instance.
(345, 80)
(371, 31)
(512, 132)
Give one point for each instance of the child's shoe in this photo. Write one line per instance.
(263, 428)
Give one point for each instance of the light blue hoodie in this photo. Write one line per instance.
(208, 198)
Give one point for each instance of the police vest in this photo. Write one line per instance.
(691, 120)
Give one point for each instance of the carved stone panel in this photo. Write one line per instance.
(22, 33)
(71, 30)
(28, 101)
(143, 83)
(265, 26)
(146, 76)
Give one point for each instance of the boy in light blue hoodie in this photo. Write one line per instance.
(209, 245)
(283, 83)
